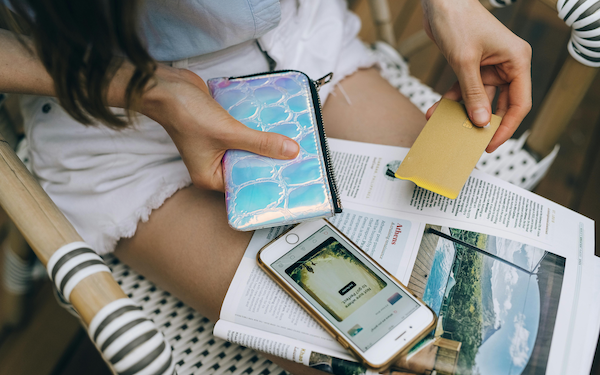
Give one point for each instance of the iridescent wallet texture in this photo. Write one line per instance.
(261, 192)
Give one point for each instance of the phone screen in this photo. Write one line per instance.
(359, 300)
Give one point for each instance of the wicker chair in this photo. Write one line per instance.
(141, 329)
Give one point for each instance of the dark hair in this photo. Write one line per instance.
(82, 43)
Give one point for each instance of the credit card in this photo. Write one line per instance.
(447, 150)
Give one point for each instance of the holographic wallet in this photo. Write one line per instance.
(262, 192)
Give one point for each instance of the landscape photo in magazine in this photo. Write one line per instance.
(496, 300)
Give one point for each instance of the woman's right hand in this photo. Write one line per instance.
(484, 54)
(202, 130)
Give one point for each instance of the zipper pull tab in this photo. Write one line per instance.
(323, 80)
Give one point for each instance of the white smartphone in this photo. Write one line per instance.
(363, 306)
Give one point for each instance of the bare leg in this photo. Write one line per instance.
(371, 111)
(187, 246)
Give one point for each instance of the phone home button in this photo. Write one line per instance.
(292, 238)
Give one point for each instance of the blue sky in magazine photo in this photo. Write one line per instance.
(517, 306)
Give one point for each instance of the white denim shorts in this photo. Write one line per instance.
(107, 181)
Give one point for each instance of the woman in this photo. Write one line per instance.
(126, 188)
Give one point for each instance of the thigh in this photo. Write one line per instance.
(365, 107)
(187, 248)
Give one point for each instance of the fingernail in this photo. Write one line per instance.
(290, 149)
(480, 116)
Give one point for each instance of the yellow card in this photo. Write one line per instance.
(447, 150)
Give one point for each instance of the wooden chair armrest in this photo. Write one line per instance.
(46, 230)
(573, 80)
(114, 321)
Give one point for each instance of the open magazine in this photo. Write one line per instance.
(512, 276)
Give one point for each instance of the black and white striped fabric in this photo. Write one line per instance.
(72, 263)
(502, 3)
(583, 16)
(129, 342)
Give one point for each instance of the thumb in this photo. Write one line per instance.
(474, 95)
(273, 145)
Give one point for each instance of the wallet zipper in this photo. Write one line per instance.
(314, 88)
(314, 91)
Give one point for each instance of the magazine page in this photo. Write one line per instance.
(330, 361)
(366, 177)
(531, 288)
(507, 271)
